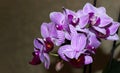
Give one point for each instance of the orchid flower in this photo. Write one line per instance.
(76, 48)
(71, 17)
(40, 53)
(97, 16)
(99, 21)
(77, 34)
(48, 30)
(112, 31)
(59, 20)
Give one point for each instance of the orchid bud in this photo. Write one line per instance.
(59, 66)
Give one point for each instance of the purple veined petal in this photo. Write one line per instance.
(79, 53)
(88, 8)
(72, 30)
(76, 39)
(42, 58)
(69, 12)
(74, 42)
(83, 21)
(101, 10)
(113, 28)
(101, 30)
(81, 42)
(57, 17)
(46, 61)
(105, 20)
(52, 30)
(44, 30)
(88, 60)
(84, 18)
(62, 50)
(93, 41)
(48, 30)
(113, 37)
(60, 38)
(38, 43)
(84, 30)
(67, 36)
(70, 53)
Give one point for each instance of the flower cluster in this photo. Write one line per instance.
(77, 34)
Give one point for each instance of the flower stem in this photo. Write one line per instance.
(85, 69)
(54, 54)
(94, 3)
(90, 68)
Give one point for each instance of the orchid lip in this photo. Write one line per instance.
(72, 20)
(35, 60)
(91, 49)
(59, 27)
(49, 45)
(77, 62)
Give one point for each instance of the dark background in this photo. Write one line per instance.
(20, 21)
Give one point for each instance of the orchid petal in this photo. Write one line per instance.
(113, 37)
(44, 30)
(80, 42)
(114, 27)
(93, 41)
(69, 12)
(84, 21)
(38, 43)
(60, 38)
(102, 30)
(105, 20)
(46, 61)
(101, 10)
(88, 60)
(88, 8)
(84, 30)
(57, 17)
(72, 30)
(67, 36)
(42, 58)
(62, 50)
(52, 30)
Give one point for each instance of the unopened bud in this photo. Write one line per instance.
(59, 66)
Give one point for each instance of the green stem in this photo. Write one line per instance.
(85, 69)
(54, 54)
(95, 1)
(90, 68)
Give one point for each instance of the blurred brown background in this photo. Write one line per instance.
(20, 22)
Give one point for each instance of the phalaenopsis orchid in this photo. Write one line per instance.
(77, 34)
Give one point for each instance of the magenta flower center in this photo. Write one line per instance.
(49, 45)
